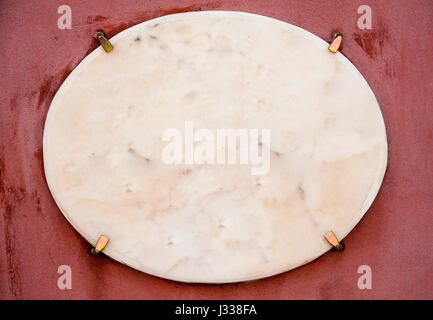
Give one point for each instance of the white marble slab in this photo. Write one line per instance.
(205, 222)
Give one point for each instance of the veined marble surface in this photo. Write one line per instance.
(214, 223)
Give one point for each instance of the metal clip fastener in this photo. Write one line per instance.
(105, 43)
(332, 239)
(100, 245)
(336, 43)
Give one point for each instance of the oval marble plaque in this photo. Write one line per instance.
(132, 147)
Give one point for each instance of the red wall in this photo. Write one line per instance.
(394, 237)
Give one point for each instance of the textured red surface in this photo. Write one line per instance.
(395, 237)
